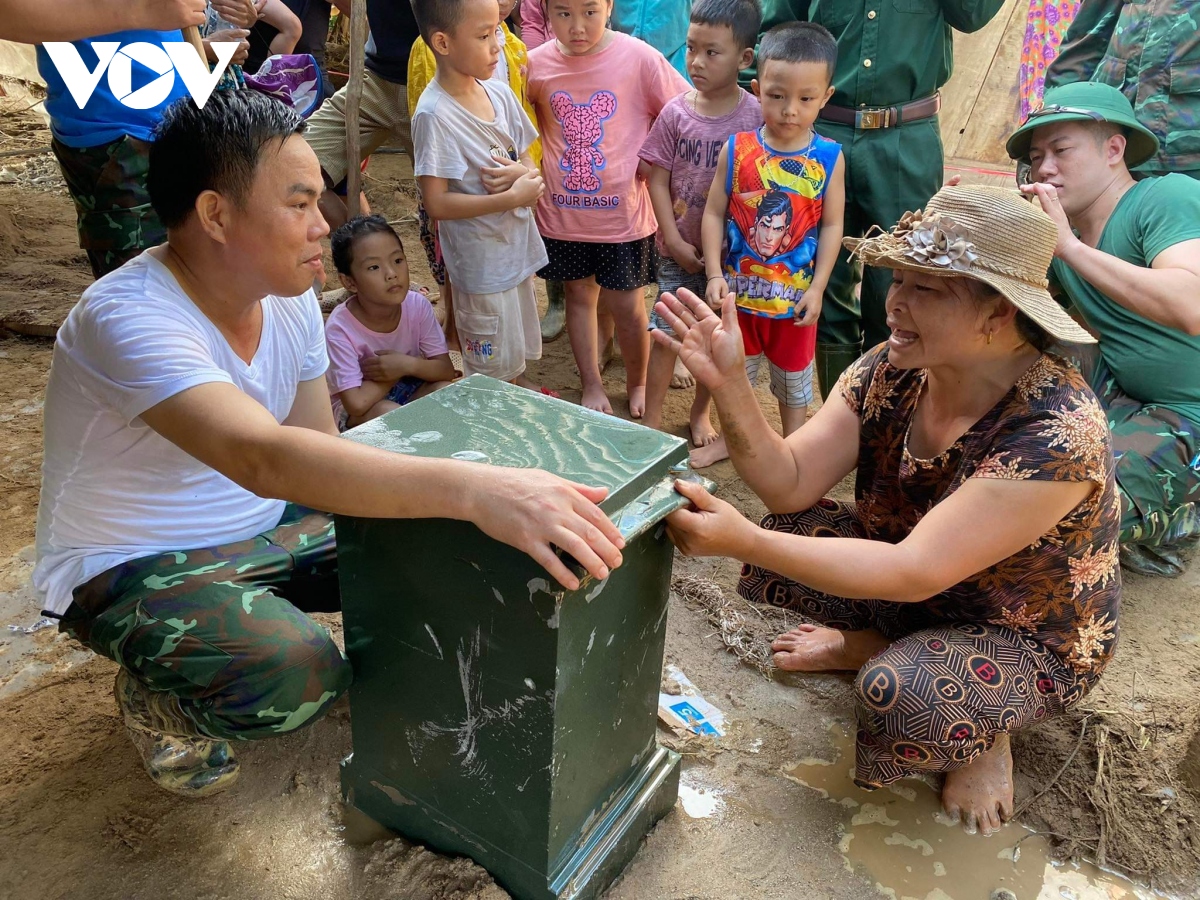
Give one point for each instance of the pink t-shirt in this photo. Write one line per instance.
(594, 113)
(687, 145)
(535, 30)
(349, 341)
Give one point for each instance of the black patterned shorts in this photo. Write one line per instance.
(617, 267)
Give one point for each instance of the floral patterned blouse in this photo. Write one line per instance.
(1064, 589)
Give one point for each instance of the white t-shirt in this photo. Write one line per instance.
(112, 488)
(496, 252)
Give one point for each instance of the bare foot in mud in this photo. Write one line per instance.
(980, 796)
(815, 648)
(700, 427)
(709, 454)
(637, 401)
(595, 398)
(681, 377)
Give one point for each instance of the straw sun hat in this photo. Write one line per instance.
(990, 234)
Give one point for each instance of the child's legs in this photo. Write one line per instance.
(582, 298)
(623, 271)
(794, 391)
(383, 406)
(629, 315)
(658, 379)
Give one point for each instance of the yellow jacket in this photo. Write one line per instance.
(422, 65)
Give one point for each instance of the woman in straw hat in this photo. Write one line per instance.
(973, 583)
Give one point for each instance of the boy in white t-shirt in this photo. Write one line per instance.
(477, 178)
(386, 347)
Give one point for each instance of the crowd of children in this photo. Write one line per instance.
(590, 161)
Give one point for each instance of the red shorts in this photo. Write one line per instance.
(789, 346)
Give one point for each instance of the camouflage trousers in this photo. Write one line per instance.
(1158, 471)
(112, 205)
(220, 634)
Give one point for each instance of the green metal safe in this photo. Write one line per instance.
(495, 714)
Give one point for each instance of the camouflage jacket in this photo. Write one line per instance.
(1151, 51)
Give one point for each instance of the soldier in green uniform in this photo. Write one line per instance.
(893, 56)
(1151, 53)
(1128, 260)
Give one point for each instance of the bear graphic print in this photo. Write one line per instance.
(583, 128)
(594, 112)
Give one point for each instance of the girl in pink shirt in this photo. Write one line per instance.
(385, 345)
(597, 93)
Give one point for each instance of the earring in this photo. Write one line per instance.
(989, 340)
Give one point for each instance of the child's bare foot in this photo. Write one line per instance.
(709, 454)
(682, 378)
(637, 401)
(981, 794)
(595, 398)
(700, 425)
(815, 648)
(522, 381)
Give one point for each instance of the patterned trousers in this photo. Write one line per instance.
(220, 631)
(940, 694)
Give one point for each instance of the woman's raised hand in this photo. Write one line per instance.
(710, 346)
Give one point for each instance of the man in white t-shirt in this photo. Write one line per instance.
(189, 439)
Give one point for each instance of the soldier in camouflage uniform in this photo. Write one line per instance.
(1149, 50)
(112, 206)
(1128, 262)
(187, 394)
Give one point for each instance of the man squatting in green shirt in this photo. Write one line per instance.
(1128, 260)
(893, 57)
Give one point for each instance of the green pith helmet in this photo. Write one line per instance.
(1087, 101)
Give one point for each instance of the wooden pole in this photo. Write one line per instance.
(191, 34)
(358, 47)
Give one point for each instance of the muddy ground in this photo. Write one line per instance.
(79, 818)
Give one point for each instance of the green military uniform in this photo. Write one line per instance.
(1146, 374)
(1151, 52)
(112, 204)
(890, 52)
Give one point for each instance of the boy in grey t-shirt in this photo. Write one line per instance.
(477, 179)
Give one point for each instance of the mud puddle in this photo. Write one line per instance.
(901, 838)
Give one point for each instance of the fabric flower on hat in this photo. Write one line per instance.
(939, 241)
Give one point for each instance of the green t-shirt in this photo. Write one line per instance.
(1152, 363)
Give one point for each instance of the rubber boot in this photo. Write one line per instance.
(554, 322)
(832, 361)
(175, 757)
(1164, 560)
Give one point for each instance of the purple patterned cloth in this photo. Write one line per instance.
(293, 79)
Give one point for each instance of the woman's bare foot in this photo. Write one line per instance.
(637, 401)
(700, 425)
(709, 454)
(595, 398)
(815, 648)
(681, 377)
(981, 794)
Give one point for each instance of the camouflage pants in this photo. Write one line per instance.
(108, 185)
(221, 631)
(1158, 476)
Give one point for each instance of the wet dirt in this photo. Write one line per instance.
(902, 839)
(79, 818)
